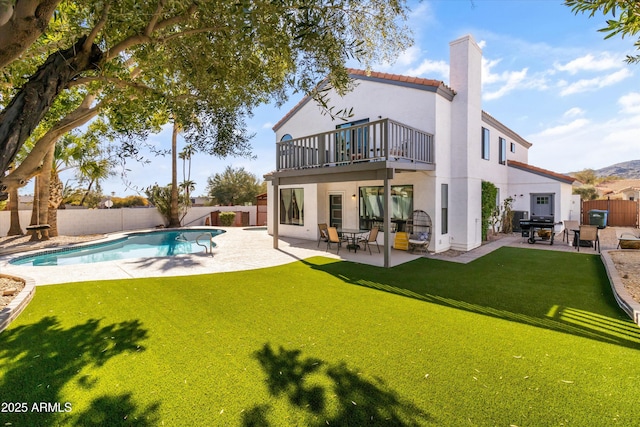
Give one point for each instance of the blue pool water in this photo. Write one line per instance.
(136, 245)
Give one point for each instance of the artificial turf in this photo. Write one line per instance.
(519, 337)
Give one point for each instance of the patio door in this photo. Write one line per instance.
(335, 210)
(542, 204)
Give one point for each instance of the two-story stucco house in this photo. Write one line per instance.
(413, 144)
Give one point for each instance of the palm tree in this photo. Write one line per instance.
(174, 215)
(187, 185)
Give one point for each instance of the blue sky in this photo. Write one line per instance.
(548, 75)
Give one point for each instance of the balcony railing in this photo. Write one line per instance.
(380, 140)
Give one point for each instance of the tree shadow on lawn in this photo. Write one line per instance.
(168, 263)
(359, 401)
(563, 292)
(40, 359)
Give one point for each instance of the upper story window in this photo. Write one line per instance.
(286, 137)
(486, 143)
(513, 147)
(502, 158)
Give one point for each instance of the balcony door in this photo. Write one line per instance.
(351, 144)
(335, 210)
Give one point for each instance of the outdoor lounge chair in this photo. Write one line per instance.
(324, 234)
(333, 238)
(371, 238)
(589, 233)
(569, 227)
(628, 240)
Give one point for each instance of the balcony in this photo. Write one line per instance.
(382, 140)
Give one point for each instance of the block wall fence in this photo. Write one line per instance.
(77, 222)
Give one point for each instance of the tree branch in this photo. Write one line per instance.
(30, 18)
(154, 19)
(116, 81)
(188, 33)
(32, 164)
(141, 38)
(99, 26)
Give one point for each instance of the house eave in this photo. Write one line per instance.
(367, 171)
(492, 121)
(541, 172)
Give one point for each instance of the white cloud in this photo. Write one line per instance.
(562, 130)
(596, 83)
(584, 144)
(430, 69)
(573, 112)
(267, 125)
(422, 16)
(589, 62)
(408, 56)
(630, 103)
(509, 80)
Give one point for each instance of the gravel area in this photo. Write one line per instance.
(628, 265)
(9, 289)
(13, 244)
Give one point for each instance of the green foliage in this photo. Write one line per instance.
(507, 215)
(81, 197)
(624, 18)
(129, 202)
(227, 218)
(234, 187)
(586, 192)
(160, 197)
(489, 208)
(587, 176)
(206, 65)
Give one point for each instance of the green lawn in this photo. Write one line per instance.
(519, 337)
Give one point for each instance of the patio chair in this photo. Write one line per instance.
(371, 238)
(324, 235)
(333, 238)
(589, 233)
(569, 227)
(628, 240)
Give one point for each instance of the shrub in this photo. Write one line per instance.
(227, 218)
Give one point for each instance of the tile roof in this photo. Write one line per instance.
(437, 85)
(539, 171)
(396, 77)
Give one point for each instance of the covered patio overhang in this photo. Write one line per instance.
(384, 171)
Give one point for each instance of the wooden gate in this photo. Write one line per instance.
(262, 209)
(622, 213)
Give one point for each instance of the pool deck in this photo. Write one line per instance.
(236, 249)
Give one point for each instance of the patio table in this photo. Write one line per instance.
(352, 234)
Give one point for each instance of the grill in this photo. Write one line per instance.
(538, 227)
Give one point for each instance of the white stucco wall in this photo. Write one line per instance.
(523, 184)
(310, 220)
(457, 129)
(369, 100)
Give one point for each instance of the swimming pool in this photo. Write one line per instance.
(161, 243)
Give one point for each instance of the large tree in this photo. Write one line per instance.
(192, 59)
(234, 187)
(624, 18)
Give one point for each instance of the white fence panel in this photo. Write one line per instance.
(76, 222)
